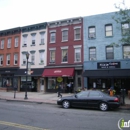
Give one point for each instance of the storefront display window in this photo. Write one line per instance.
(15, 82)
(51, 83)
(0, 82)
(79, 82)
(7, 82)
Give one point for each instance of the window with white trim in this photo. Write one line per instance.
(9, 43)
(41, 53)
(125, 29)
(64, 55)
(33, 58)
(52, 56)
(52, 37)
(64, 35)
(15, 59)
(24, 40)
(42, 37)
(1, 60)
(24, 58)
(108, 30)
(91, 32)
(16, 41)
(2, 44)
(77, 33)
(77, 54)
(109, 52)
(33, 39)
(92, 53)
(8, 59)
(126, 51)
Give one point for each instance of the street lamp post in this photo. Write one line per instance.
(27, 57)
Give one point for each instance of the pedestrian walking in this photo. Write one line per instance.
(59, 90)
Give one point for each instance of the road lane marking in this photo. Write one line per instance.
(21, 126)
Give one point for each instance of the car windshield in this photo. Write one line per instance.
(82, 94)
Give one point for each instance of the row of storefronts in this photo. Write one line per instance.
(42, 79)
(108, 74)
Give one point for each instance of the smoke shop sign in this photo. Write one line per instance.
(108, 65)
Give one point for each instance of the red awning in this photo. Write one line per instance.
(58, 72)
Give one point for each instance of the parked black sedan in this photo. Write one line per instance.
(90, 99)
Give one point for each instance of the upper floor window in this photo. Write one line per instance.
(24, 58)
(91, 32)
(42, 37)
(41, 53)
(25, 40)
(92, 53)
(52, 56)
(109, 52)
(16, 41)
(77, 54)
(108, 30)
(2, 44)
(77, 33)
(15, 59)
(33, 38)
(9, 43)
(32, 57)
(1, 60)
(65, 35)
(126, 51)
(52, 37)
(8, 59)
(125, 29)
(64, 55)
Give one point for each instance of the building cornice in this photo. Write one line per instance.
(34, 27)
(10, 31)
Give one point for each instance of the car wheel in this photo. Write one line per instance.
(66, 104)
(103, 106)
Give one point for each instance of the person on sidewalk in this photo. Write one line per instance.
(59, 90)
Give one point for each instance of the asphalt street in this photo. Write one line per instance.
(35, 116)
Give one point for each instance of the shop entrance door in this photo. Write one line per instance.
(42, 84)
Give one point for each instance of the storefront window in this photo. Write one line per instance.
(79, 82)
(15, 82)
(51, 83)
(7, 82)
(0, 82)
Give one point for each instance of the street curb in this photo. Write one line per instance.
(46, 102)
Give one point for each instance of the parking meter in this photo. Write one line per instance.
(123, 93)
(15, 89)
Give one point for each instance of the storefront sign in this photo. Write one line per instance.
(57, 71)
(59, 79)
(108, 65)
(7, 71)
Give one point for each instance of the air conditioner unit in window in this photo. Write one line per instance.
(24, 44)
(91, 36)
(77, 60)
(33, 43)
(24, 62)
(52, 61)
(92, 58)
(125, 57)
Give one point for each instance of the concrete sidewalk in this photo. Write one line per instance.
(40, 97)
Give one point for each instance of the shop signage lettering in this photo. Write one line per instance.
(108, 65)
(7, 71)
(57, 71)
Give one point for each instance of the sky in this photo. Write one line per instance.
(18, 13)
